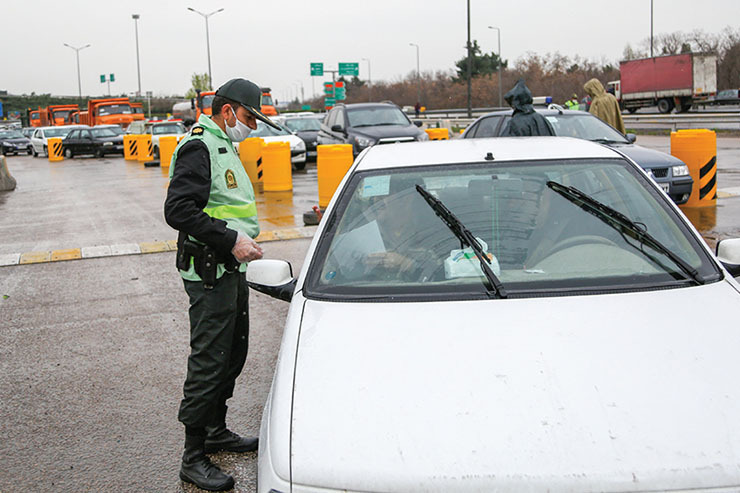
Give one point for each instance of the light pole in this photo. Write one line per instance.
(369, 81)
(651, 28)
(470, 69)
(500, 60)
(418, 75)
(208, 41)
(135, 17)
(77, 50)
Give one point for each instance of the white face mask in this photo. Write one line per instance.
(238, 132)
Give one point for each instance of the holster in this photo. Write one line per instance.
(204, 258)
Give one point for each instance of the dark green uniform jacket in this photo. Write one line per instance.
(525, 121)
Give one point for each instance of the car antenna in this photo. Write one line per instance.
(489, 157)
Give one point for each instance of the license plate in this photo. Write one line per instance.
(107, 143)
(665, 186)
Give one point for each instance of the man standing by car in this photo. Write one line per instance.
(525, 121)
(604, 105)
(210, 201)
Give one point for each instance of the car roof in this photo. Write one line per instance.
(367, 105)
(475, 151)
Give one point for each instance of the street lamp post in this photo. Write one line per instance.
(418, 74)
(470, 69)
(208, 41)
(369, 81)
(651, 28)
(77, 50)
(500, 60)
(135, 17)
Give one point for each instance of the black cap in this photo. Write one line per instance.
(248, 94)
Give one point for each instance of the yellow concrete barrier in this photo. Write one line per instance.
(437, 133)
(144, 153)
(250, 154)
(332, 163)
(130, 147)
(698, 149)
(54, 146)
(277, 173)
(167, 146)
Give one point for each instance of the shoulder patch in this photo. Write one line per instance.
(222, 150)
(230, 179)
(196, 130)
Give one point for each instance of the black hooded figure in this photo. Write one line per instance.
(525, 121)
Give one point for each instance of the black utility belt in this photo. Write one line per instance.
(205, 260)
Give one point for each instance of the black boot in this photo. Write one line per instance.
(198, 469)
(220, 438)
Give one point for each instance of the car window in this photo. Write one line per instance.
(73, 134)
(56, 132)
(303, 124)
(103, 132)
(170, 128)
(584, 126)
(207, 101)
(38, 135)
(385, 240)
(330, 117)
(114, 109)
(488, 127)
(376, 115)
(85, 134)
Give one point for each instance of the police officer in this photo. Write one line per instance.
(210, 201)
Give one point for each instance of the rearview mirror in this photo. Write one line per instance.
(337, 128)
(418, 123)
(728, 252)
(271, 277)
(632, 138)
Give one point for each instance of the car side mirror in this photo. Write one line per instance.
(728, 252)
(272, 277)
(632, 138)
(337, 128)
(418, 123)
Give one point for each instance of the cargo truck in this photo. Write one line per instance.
(138, 111)
(205, 100)
(115, 111)
(59, 114)
(668, 82)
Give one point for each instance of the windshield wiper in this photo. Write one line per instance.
(466, 238)
(609, 141)
(623, 225)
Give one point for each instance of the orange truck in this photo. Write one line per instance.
(59, 114)
(205, 101)
(138, 109)
(116, 111)
(37, 118)
(268, 107)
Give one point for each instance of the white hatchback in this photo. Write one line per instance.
(512, 314)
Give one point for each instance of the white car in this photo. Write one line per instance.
(165, 129)
(269, 134)
(596, 351)
(41, 135)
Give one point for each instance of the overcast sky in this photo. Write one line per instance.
(273, 42)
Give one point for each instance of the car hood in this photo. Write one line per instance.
(647, 158)
(17, 141)
(388, 131)
(621, 392)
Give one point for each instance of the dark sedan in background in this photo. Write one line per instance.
(96, 141)
(13, 142)
(307, 128)
(670, 173)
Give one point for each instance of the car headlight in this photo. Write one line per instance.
(681, 170)
(301, 146)
(424, 136)
(363, 142)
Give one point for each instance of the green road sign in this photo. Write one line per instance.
(305, 107)
(112, 77)
(102, 78)
(329, 102)
(317, 69)
(340, 93)
(349, 68)
(329, 88)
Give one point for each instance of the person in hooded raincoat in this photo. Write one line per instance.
(604, 105)
(525, 121)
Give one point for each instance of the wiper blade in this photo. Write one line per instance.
(623, 225)
(609, 141)
(466, 238)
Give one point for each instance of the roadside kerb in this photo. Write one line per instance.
(147, 247)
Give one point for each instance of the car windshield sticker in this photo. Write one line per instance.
(374, 186)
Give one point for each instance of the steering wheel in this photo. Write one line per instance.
(579, 240)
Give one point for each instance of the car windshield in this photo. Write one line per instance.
(267, 100)
(207, 101)
(10, 134)
(584, 126)
(103, 132)
(264, 130)
(57, 132)
(303, 124)
(376, 115)
(138, 110)
(170, 128)
(114, 109)
(383, 240)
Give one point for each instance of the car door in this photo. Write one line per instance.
(71, 140)
(85, 145)
(37, 141)
(325, 134)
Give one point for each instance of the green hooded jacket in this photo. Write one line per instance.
(525, 121)
(604, 105)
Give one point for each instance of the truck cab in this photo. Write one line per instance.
(110, 111)
(60, 114)
(268, 106)
(138, 111)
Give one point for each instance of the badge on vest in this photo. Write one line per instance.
(197, 130)
(230, 179)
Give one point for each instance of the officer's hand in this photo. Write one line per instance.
(246, 249)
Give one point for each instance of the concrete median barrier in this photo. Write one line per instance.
(698, 149)
(7, 182)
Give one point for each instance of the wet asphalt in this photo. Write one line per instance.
(93, 352)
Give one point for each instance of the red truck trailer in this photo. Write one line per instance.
(668, 82)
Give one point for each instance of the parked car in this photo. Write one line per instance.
(165, 129)
(269, 134)
(41, 135)
(307, 128)
(728, 96)
(671, 174)
(503, 315)
(12, 142)
(368, 124)
(28, 131)
(93, 140)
